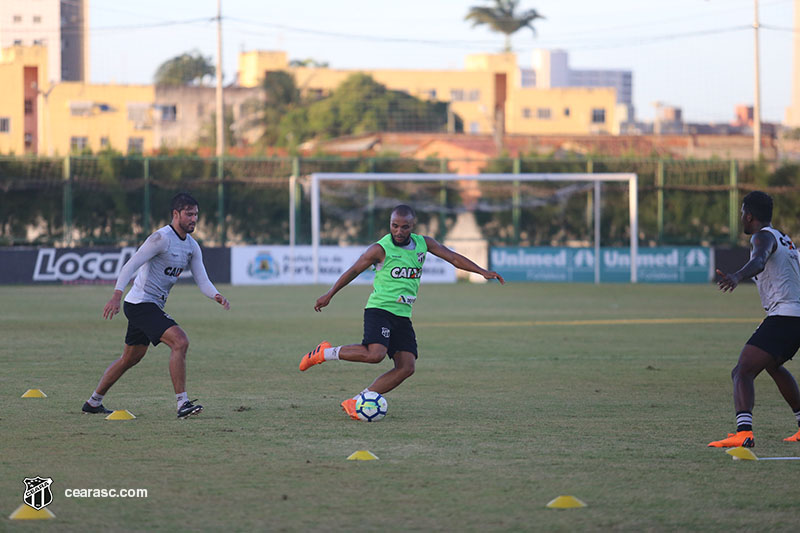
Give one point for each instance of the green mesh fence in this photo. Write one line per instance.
(106, 199)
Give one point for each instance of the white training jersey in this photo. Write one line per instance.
(160, 261)
(779, 283)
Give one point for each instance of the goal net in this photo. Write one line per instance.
(466, 212)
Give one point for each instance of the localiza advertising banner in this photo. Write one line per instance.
(673, 264)
(285, 265)
(89, 265)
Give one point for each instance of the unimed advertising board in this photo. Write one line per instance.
(282, 265)
(675, 264)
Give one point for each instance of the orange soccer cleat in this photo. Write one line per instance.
(793, 438)
(349, 407)
(734, 440)
(315, 356)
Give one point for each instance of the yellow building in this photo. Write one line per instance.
(23, 73)
(37, 117)
(487, 95)
(562, 110)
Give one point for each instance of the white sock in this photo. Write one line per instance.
(182, 397)
(360, 393)
(331, 354)
(95, 399)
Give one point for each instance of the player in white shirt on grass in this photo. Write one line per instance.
(159, 262)
(775, 269)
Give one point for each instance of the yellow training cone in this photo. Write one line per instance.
(362, 455)
(121, 415)
(34, 393)
(26, 512)
(742, 453)
(566, 502)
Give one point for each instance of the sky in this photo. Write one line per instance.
(694, 54)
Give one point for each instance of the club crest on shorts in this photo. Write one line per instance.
(385, 332)
(37, 492)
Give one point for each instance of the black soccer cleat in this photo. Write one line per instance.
(99, 410)
(188, 409)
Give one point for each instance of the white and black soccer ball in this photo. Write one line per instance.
(370, 406)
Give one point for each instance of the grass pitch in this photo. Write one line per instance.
(523, 392)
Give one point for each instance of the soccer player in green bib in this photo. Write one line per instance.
(398, 259)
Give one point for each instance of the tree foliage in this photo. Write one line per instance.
(188, 68)
(360, 105)
(503, 17)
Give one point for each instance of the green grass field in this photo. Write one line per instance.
(523, 392)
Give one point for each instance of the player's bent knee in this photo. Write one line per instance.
(375, 354)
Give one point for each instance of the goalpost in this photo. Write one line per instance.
(596, 179)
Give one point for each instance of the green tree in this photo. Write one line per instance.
(361, 105)
(188, 68)
(281, 97)
(502, 17)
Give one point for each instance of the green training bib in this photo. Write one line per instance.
(397, 279)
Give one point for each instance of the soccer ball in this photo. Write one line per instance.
(370, 406)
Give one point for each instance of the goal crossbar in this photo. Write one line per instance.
(597, 179)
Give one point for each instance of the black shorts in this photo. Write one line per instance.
(394, 332)
(779, 336)
(147, 322)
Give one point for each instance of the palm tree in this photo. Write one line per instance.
(502, 18)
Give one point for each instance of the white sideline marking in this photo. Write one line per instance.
(603, 322)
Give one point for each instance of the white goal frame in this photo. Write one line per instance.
(597, 179)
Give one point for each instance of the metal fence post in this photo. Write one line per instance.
(442, 232)
(733, 202)
(516, 201)
(67, 201)
(371, 202)
(146, 211)
(221, 200)
(660, 201)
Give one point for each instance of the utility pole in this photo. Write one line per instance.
(220, 108)
(757, 102)
(220, 133)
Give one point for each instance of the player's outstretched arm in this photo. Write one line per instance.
(201, 278)
(112, 307)
(152, 246)
(459, 261)
(373, 255)
(764, 244)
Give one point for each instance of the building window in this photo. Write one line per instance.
(140, 114)
(28, 106)
(566, 111)
(169, 113)
(543, 113)
(526, 112)
(80, 109)
(104, 142)
(431, 93)
(474, 127)
(474, 95)
(135, 145)
(38, 42)
(5, 124)
(17, 18)
(456, 95)
(17, 42)
(28, 141)
(78, 144)
(37, 19)
(598, 116)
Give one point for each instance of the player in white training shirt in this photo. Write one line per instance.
(775, 269)
(159, 261)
